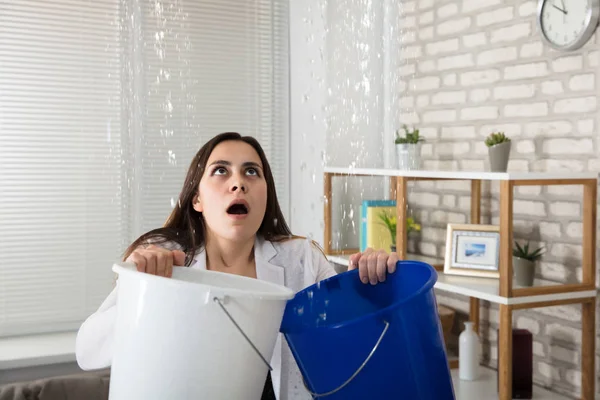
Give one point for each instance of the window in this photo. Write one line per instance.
(99, 120)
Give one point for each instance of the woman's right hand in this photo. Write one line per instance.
(156, 260)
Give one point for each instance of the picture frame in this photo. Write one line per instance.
(473, 250)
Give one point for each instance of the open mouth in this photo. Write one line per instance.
(238, 209)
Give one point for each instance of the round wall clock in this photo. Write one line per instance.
(568, 24)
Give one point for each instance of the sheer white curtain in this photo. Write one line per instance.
(102, 106)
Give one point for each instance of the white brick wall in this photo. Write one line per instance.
(549, 128)
(575, 105)
(443, 46)
(455, 62)
(550, 230)
(479, 113)
(568, 146)
(458, 132)
(526, 109)
(508, 92)
(484, 67)
(480, 95)
(496, 16)
(583, 82)
(447, 11)
(480, 77)
(534, 49)
(497, 56)
(566, 64)
(552, 87)
(511, 33)
(525, 146)
(426, 83)
(475, 5)
(453, 26)
(439, 116)
(474, 40)
(526, 71)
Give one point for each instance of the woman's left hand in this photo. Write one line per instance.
(373, 266)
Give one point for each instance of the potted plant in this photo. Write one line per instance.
(524, 263)
(499, 151)
(408, 148)
(389, 220)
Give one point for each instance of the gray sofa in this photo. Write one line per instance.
(70, 387)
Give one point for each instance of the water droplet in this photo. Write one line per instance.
(172, 159)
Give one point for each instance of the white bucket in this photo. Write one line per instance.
(173, 340)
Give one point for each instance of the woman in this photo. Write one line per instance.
(228, 220)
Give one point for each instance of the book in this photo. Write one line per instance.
(373, 232)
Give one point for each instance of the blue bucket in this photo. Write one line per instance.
(358, 341)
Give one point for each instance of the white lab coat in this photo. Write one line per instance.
(294, 263)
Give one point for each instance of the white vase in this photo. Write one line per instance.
(468, 353)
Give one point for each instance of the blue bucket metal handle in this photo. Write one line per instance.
(316, 395)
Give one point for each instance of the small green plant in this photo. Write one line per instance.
(523, 252)
(496, 138)
(411, 137)
(389, 220)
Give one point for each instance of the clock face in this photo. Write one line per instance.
(565, 23)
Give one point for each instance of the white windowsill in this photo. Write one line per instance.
(36, 350)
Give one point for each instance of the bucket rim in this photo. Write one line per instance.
(427, 286)
(280, 292)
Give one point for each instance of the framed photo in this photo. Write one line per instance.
(473, 250)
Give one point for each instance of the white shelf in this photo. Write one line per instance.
(483, 288)
(463, 175)
(489, 289)
(486, 388)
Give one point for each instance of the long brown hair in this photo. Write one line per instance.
(186, 227)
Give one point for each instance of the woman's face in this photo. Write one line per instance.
(233, 191)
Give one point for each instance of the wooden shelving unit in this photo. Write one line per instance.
(503, 290)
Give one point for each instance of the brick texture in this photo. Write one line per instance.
(482, 66)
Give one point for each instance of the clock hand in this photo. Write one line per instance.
(564, 8)
(560, 9)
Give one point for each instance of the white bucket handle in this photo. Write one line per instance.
(315, 395)
(220, 303)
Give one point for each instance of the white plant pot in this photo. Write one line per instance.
(408, 156)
